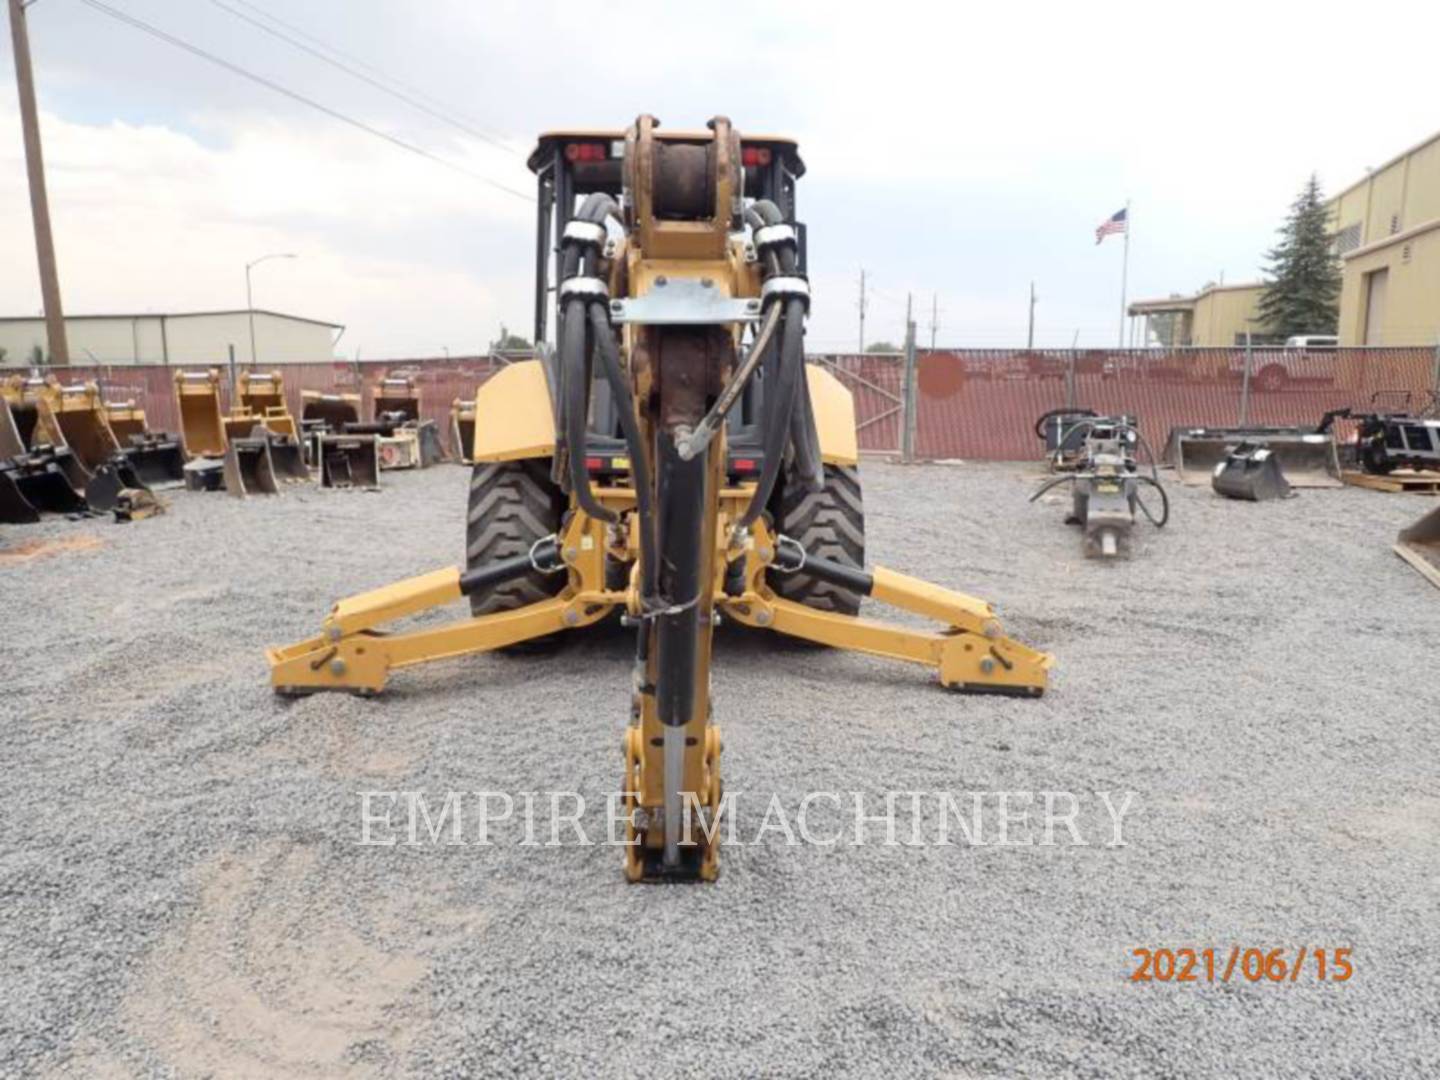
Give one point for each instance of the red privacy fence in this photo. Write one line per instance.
(970, 403)
(982, 403)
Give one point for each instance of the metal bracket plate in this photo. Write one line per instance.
(684, 302)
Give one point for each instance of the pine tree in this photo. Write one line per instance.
(1302, 294)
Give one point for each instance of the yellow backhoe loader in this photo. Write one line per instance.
(672, 459)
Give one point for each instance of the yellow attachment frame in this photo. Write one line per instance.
(970, 652)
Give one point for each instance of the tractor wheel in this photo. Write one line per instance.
(512, 505)
(830, 524)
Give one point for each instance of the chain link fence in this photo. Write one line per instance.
(979, 404)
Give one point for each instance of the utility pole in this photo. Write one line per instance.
(911, 411)
(861, 346)
(934, 318)
(1030, 337)
(39, 201)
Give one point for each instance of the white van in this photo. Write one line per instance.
(1312, 341)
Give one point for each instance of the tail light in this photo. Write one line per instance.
(754, 155)
(586, 151)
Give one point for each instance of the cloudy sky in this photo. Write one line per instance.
(954, 151)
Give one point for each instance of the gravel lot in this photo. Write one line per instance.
(182, 892)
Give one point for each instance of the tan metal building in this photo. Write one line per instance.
(1216, 316)
(1387, 234)
(193, 339)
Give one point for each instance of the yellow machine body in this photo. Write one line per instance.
(682, 194)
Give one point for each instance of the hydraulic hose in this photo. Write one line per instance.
(789, 371)
(635, 445)
(575, 380)
(1164, 502)
(700, 438)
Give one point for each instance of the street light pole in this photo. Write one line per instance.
(249, 296)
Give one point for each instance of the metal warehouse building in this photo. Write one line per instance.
(191, 338)
(1216, 316)
(1387, 232)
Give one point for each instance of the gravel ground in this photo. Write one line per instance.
(182, 892)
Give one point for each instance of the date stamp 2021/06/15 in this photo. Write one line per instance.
(1241, 964)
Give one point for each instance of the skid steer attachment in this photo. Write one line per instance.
(642, 469)
(248, 467)
(462, 430)
(1419, 545)
(156, 456)
(197, 403)
(1308, 457)
(350, 461)
(1252, 473)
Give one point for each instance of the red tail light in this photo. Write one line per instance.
(594, 464)
(584, 151)
(754, 155)
(743, 464)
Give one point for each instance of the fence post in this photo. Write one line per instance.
(911, 412)
(1435, 376)
(234, 393)
(1245, 385)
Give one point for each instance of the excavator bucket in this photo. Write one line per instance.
(1253, 473)
(334, 410)
(108, 481)
(397, 394)
(1307, 458)
(197, 403)
(287, 457)
(248, 467)
(43, 484)
(157, 458)
(79, 415)
(1419, 545)
(262, 395)
(126, 420)
(462, 430)
(349, 461)
(15, 509)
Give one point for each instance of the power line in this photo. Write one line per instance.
(399, 95)
(293, 95)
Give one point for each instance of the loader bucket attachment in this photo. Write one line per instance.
(248, 468)
(157, 459)
(1253, 473)
(197, 403)
(1419, 545)
(15, 509)
(349, 461)
(334, 410)
(1307, 458)
(108, 481)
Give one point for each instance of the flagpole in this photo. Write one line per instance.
(1124, 273)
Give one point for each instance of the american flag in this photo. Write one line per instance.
(1115, 223)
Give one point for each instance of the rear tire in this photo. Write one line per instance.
(830, 524)
(512, 504)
